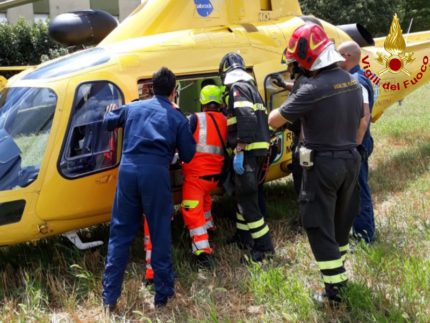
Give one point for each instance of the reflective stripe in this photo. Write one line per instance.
(231, 121)
(260, 233)
(240, 217)
(148, 266)
(209, 149)
(208, 215)
(242, 226)
(203, 126)
(256, 224)
(344, 248)
(198, 231)
(189, 204)
(257, 145)
(209, 224)
(343, 258)
(200, 245)
(148, 255)
(331, 264)
(199, 252)
(202, 146)
(243, 104)
(249, 104)
(259, 107)
(339, 278)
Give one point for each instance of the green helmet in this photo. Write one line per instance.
(211, 93)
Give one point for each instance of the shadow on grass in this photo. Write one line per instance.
(396, 173)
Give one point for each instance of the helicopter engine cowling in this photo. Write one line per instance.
(359, 34)
(82, 27)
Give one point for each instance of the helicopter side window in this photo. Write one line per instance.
(89, 146)
(188, 88)
(275, 95)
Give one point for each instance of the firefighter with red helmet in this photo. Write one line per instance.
(329, 105)
(202, 173)
(248, 135)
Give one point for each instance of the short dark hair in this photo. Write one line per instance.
(164, 82)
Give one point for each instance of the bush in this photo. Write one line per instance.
(26, 44)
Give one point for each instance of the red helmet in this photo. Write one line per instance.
(306, 44)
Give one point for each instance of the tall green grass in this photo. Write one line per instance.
(389, 280)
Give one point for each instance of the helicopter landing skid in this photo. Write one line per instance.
(76, 240)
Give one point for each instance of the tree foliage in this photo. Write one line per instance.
(375, 15)
(27, 44)
(419, 10)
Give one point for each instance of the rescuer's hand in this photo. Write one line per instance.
(278, 81)
(111, 107)
(175, 159)
(238, 163)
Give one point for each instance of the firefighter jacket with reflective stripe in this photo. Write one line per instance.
(209, 157)
(247, 118)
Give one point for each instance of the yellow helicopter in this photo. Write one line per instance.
(58, 165)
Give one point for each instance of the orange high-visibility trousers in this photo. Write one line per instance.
(149, 273)
(196, 211)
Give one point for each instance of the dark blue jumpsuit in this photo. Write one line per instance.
(364, 223)
(153, 130)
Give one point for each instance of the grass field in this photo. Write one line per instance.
(389, 280)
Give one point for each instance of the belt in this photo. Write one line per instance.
(215, 177)
(336, 153)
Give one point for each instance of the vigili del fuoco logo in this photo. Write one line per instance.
(395, 60)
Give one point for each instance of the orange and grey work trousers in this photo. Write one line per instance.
(196, 210)
(149, 274)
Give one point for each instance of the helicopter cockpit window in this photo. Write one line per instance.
(26, 116)
(275, 94)
(89, 146)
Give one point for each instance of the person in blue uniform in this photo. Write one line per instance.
(364, 223)
(152, 133)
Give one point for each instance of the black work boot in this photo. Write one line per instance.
(203, 260)
(259, 256)
(242, 239)
(334, 291)
(332, 295)
(109, 309)
(148, 282)
(160, 302)
(263, 248)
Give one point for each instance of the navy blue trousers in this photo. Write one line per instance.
(140, 189)
(364, 223)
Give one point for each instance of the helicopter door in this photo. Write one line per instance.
(274, 96)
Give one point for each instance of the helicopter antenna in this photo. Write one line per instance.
(409, 29)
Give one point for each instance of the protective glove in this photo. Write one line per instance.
(238, 163)
(174, 159)
(278, 81)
